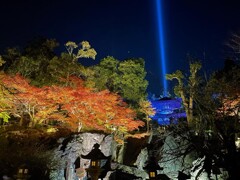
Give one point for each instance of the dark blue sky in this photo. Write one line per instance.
(127, 28)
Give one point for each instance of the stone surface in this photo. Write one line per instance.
(72, 147)
(170, 149)
(174, 156)
(198, 172)
(142, 159)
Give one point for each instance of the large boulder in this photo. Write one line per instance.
(70, 151)
(174, 154)
(142, 159)
(198, 171)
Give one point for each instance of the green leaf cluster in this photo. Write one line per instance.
(5, 116)
(84, 52)
(127, 78)
(33, 61)
(39, 63)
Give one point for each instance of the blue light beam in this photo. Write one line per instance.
(161, 44)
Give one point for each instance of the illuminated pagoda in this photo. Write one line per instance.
(168, 110)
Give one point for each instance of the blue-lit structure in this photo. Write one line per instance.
(160, 31)
(168, 110)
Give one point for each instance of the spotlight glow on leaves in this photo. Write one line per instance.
(73, 106)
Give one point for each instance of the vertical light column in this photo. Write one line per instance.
(160, 31)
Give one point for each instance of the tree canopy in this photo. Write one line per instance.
(75, 106)
(127, 78)
(187, 88)
(36, 76)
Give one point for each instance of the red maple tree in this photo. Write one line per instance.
(74, 106)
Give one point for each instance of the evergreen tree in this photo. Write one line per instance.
(126, 78)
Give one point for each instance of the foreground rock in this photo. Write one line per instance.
(70, 152)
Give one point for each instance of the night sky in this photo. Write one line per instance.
(127, 28)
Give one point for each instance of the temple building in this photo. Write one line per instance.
(168, 110)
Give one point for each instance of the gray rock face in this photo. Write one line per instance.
(72, 148)
(174, 156)
(142, 159)
(198, 171)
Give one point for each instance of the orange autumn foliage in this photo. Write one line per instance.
(28, 101)
(75, 106)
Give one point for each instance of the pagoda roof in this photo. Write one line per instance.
(95, 154)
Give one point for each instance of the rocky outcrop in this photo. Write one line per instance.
(70, 151)
(173, 152)
(142, 159)
(175, 155)
(199, 171)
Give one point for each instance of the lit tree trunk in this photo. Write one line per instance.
(193, 84)
(186, 104)
(21, 120)
(31, 113)
(187, 94)
(147, 110)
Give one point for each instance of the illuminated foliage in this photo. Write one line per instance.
(33, 61)
(132, 79)
(4, 116)
(126, 78)
(224, 87)
(105, 75)
(85, 52)
(187, 88)
(63, 67)
(145, 107)
(74, 107)
(28, 100)
(37, 101)
(5, 100)
(42, 66)
(101, 110)
(70, 46)
(208, 103)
